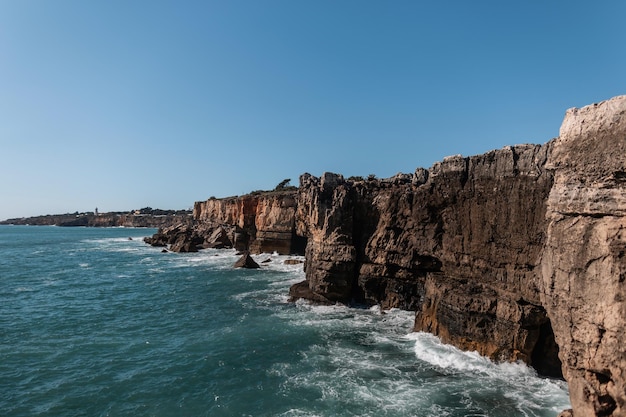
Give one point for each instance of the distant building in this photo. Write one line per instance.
(96, 211)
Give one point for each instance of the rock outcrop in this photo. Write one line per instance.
(260, 223)
(458, 244)
(519, 253)
(247, 262)
(584, 260)
(179, 238)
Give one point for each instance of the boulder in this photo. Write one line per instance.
(183, 244)
(156, 240)
(218, 239)
(246, 261)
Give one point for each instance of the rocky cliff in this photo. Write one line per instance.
(519, 253)
(583, 264)
(458, 244)
(263, 222)
(259, 222)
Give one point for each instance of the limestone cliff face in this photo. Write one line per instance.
(519, 253)
(263, 222)
(259, 223)
(584, 261)
(458, 243)
(275, 225)
(326, 217)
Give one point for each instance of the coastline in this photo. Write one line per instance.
(502, 253)
(134, 218)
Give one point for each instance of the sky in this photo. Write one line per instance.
(123, 104)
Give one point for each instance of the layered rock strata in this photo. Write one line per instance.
(262, 222)
(458, 244)
(583, 265)
(519, 253)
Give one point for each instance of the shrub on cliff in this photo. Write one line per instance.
(284, 185)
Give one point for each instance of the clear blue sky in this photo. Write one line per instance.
(125, 104)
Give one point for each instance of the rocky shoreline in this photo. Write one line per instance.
(519, 253)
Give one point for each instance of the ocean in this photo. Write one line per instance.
(93, 322)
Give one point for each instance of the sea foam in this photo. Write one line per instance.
(222, 341)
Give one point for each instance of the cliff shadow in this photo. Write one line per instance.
(298, 244)
(366, 217)
(545, 355)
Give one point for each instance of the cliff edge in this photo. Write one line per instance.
(584, 260)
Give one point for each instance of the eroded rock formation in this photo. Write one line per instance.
(246, 261)
(519, 253)
(262, 222)
(584, 260)
(458, 243)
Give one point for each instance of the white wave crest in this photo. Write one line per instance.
(429, 348)
(521, 383)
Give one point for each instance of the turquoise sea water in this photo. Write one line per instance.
(95, 324)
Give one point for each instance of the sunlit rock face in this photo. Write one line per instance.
(260, 222)
(263, 222)
(584, 260)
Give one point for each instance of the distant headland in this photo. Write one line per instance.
(145, 217)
